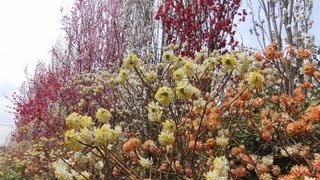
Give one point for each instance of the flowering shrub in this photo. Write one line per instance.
(200, 114)
(220, 116)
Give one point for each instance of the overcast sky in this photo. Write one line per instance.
(29, 28)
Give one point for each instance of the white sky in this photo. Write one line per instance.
(29, 28)
(28, 31)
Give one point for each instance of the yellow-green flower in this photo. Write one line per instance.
(100, 135)
(106, 135)
(189, 67)
(213, 175)
(178, 74)
(222, 141)
(114, 134)
(71, 139)
(184, 90)
(122, 76)
(154, 112)
(103, 115)
(145, 163)
(199, 105)
(86, 121)
(61, 170)
(267, 160)
(210, 63)
(180, 61)
(73, 120)
(221, 166)
(151, 76)
(131, 61)
(85, 136)
(229, 61)
(168, 57)
(255, 79)
(166, 138)
(245, 62)
(164, 95)
(268, 176)
(169, 126)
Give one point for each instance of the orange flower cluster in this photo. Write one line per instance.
(239, 172)
(298, 96)
(258, 56)
(306, 122)
(212, 120)
(309, 69)
(300, 171)
(313, 113)
(267, 123)
(150, 147)
(250, 161)
(304, 53)
(316, 164)
(272, 52)
(131, 145)
(299, 127)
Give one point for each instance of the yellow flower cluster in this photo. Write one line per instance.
(168, 57)
(199, 105)
(151, 76)
(154, 112)
(166, 138)
(255, 79)
(221, 169)
(105, 135)
(164, 95)
(189, 67)
(185, 90)
(210, 63)
(229, 61)
(75, 120)
(169, 126)
(123, 76)
(71, 139)
(178, 74)
(103, 115)
(85, 133)
(131, 61)
(222, 140)
(221, 166)
(62, 171)
(145, 163)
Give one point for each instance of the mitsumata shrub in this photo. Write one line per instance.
(214, 116)
(219, 116)
(129, 97)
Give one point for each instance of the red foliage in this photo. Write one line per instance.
(35, 103)
(40, 102)
(199, 23)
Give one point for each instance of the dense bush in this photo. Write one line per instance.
(191, 114)
(218, 116)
